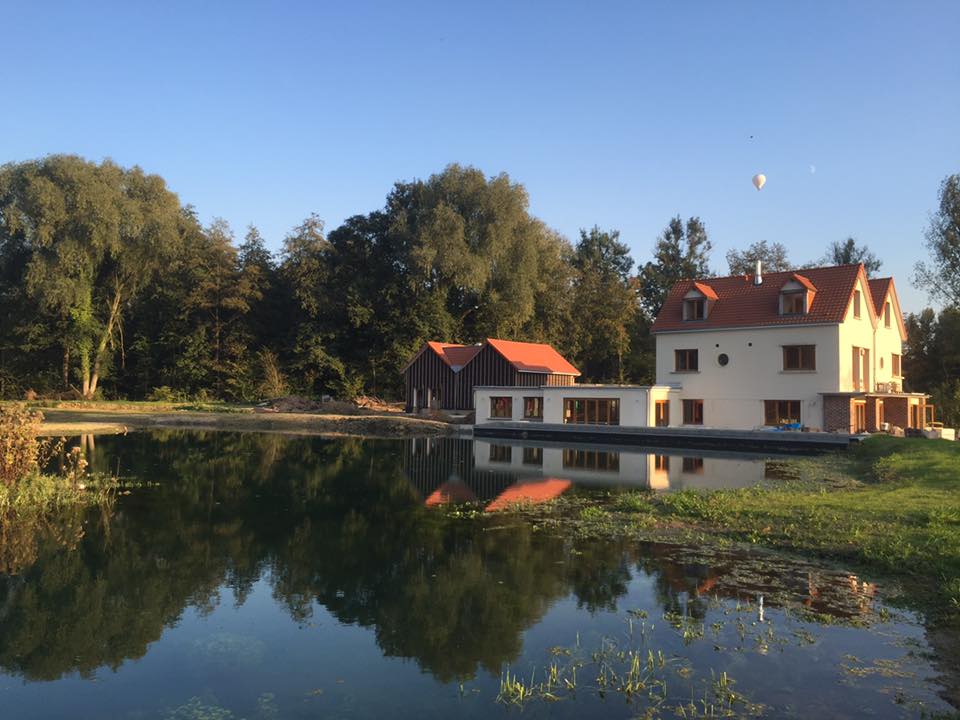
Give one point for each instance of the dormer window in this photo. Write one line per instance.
(796, 295)
(697, 302)
(695, 309)
(793, 303)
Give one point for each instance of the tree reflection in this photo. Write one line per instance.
(335, 523)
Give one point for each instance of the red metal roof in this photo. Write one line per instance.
(878, 291)
(705, 290)
(740, 303)
(456, 356)
(533, 357)
(796, 277)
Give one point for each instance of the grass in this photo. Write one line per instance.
(889, 504)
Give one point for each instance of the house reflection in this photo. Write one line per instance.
(496, 474)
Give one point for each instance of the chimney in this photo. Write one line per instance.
(758, 275)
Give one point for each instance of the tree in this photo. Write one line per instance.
(773, 258)
(680, 253)
(96, 234)
(604, 302)
(941, 276)
(849, 253)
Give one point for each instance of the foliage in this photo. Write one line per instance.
(849, 253)
(941, 275)
(931, 360)
(115, 290)
(20, 450)
(773, 257)
(602, 282)
(681, 253)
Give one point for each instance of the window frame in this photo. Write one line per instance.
(791, 295)
(499, 453)
(896, 368)
(686, 353)
(695, 414)
(661, 419)
(538, 402)
(694, 309)
(507, 402)
(887, 313)
(856, 304)
(800, 351)
(588, 411)
(781, 412)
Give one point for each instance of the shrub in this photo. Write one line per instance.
(20, 451)
(273, 385)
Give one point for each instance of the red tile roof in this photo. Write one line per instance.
(878, 291)
(740, 303)
(533, 357)
(456, 356)
(535, 491)
(450, 492)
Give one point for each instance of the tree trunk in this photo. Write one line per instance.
(66, 368)
(91, 389)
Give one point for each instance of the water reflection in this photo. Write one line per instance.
(446, 470)
(317, 529)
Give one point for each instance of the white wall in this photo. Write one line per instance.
(733, 395)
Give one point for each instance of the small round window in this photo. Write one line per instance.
(723, 359)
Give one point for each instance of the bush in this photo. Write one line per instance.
(20, 451)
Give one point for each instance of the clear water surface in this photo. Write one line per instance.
(265, 576)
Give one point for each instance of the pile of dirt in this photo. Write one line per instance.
(381, 406)
(290, 404)
(363, 405)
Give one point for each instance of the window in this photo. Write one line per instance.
(686, 360)
(591, 411)
(856, 303)
(886, 314)
(692, 465)
(662, 413)
(533, 408)
(591, 460)
(695, 309)
(693, 412)
(661, 462)
(895, 364)
(501, 407)
(799, 357)
(533, 456)
(781, 412)
(501, 453)
(793, 303)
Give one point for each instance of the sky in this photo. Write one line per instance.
(616, 114)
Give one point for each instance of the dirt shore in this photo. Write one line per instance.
(98, 421)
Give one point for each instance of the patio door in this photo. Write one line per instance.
(860, 416)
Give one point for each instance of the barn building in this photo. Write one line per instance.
(442, 376)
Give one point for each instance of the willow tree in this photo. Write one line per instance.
(96, 234)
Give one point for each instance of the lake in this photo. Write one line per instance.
(264, 576)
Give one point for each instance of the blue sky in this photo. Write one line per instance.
(615, 114)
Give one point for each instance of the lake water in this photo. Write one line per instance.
(263, 577)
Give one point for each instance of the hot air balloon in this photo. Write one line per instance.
(759, 181)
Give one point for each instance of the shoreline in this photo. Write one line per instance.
(72, 421)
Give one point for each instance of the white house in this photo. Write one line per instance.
(818, 348)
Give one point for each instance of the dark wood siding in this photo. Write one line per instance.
(560, 380)
(488, 367)
(429, 371)
(528, 379)
(431, 462)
